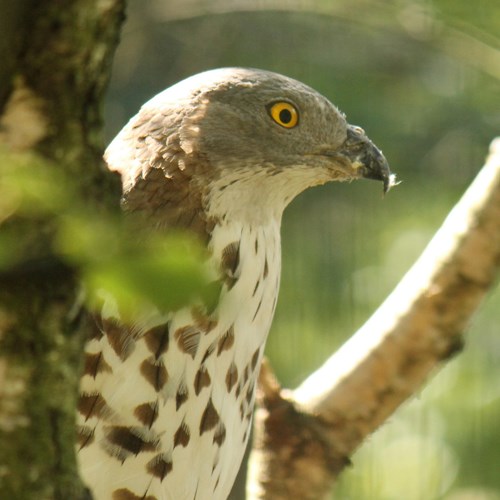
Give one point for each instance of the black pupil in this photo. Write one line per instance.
(285, 116)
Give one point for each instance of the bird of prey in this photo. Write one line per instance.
(166, 402)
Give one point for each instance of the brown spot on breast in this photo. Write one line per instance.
(120, 338)
(210, 418)
(201, 380)
(249, 394)
(94, 364)
(95, 330)
(126, 494)
(226, 341)
(188, 339)
(159, 466)
(255, 358)
(256, 288)
(266, 268)
(154, 372)
(182, 435)
(231, 257)
(129, 439)
(246, 375)
(93, 405)
(208, 352)
(84, 436)
(220, 434)
(230, 282)
(147, 413)
(231, 376)
(257, 310)
(256, 246)
(203, 321)
(181, 396)
(230, 260)
(157, 339)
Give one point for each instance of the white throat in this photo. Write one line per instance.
(258, 196)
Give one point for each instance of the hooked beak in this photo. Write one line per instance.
(364, 159)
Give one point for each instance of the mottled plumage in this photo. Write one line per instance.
(166, 403)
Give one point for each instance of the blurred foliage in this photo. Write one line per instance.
(112, 255)
(139, 272)
(422, 77)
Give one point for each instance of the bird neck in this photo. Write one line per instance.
(248, 259)
(256, 198)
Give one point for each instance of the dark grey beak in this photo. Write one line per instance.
(366, 157)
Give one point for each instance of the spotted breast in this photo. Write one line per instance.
(166, 405)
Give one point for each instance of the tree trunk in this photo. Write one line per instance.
(56, 59)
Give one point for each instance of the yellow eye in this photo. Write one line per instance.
(284, 114)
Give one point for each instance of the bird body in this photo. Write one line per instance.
(166, 402)
(198, 411)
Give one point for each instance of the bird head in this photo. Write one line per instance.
(243, 137)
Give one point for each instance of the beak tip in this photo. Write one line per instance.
(389, 182)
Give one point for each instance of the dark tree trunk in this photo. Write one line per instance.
(56, 59)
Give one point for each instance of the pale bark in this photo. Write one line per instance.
(304, 438)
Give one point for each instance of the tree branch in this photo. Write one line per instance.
(304, 438)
